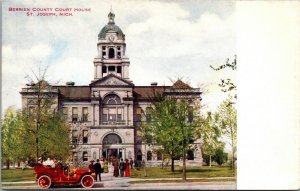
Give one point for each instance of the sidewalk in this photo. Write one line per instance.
(109, 182)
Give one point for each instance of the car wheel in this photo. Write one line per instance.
(44, 181)
(87, 181)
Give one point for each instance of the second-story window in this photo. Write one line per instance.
(65, 112)
(84, 136)
(74, 114)
(74, 136)
(85, 114)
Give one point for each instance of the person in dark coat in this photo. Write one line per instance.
(97, 168)
(122, 167)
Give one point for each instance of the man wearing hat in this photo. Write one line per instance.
(91, 166)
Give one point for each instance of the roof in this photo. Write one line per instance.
(147, 92)
(75, 92)
(181, 85)
(111, 27)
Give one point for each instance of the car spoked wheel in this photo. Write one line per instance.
(44, 181)
(87, 181)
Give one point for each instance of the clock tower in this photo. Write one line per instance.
(111, 46)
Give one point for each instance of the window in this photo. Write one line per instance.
(104, 69)
(104, 51)
(111, 69)
(111, 53)
(119, 52)
(74, 137)
(119, 69)
(85, 114)
(65, 112)
(190, 155)
(149, 155)
(159, 155)
(112, 139)
(148, 114)
(111, 99)
(74, 114)
(85, 136)
(112, 109)
(85, 156)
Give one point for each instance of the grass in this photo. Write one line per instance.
(180, 181)
(191, 172)
(16, 175)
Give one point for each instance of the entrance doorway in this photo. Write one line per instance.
(111, 144)
(108, 153)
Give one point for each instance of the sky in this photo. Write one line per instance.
(166, 40)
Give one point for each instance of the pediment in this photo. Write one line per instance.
(111, 80)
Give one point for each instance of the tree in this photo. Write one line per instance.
(220, 156)
(41, 120)
(227, 85)
(173, 125)
(227, 122)
(210, 134)
(11, 133)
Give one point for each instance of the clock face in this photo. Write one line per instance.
(111, 38)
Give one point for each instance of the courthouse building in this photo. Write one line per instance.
(106, 114)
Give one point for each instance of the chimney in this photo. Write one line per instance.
(70, 83)
(153, 83)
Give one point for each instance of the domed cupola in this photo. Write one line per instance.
(111, 47)
(111, 28)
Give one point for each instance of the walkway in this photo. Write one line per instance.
(109, 182)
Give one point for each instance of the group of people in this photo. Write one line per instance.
(101, 166)
(121, 168)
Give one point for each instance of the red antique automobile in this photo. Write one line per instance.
(47, 176)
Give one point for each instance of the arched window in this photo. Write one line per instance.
(112, 139)
(149, 155)
(85, 156)
(111, 53)
(111, 99)
(112, 109)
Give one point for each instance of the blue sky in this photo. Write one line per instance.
(165, 40)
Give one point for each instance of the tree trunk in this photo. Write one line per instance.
(162, 161)
(172, 164)
(7, 164)
(209, 160)
(183, 166)
(145, 172)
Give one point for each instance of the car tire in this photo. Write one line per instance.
(44, 182)
(87, 181)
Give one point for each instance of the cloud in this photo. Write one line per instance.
(164, 40)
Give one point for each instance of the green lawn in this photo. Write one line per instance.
(192, 172)
(181, 181)
(16, 175)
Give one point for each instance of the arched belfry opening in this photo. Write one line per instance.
(111, 53)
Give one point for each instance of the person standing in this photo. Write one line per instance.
(122, 167)
(131, 163)
(105, 166)
(115, 164)
(127, 169)
(102, 164)
(97, 168)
